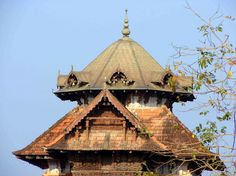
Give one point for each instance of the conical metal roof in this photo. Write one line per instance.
(124, 65)
(125, 56)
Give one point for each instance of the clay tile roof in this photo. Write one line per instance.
(69, 121)
(159, 121)
(168, 133)
(37, 147)
(168, 130)
(117, 143)
(106, 93)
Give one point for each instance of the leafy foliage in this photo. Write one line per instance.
(213, 70)
(143, 132)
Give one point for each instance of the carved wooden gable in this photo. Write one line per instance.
(105, 125)
(119, 79)
(104, 128)
(74, 81)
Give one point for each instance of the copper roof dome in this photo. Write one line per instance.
(127, 57)
(124, 65)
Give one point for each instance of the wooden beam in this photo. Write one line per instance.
(106, 118)
(134, 133)
(87, 129)
(124, 129)
(48, 157)
(29, 157)
(39, 157)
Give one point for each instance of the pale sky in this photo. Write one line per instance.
(39, 37)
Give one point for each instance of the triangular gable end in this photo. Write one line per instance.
(113, 100)
(104, 94)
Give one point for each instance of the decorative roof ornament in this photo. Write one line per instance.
(167, 70)
(126, 30)
(72, 68)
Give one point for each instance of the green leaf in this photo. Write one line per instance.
(219, 28)
(227, 116)
(181, 73)
(202, 62)
(203, 113)
(223, 130)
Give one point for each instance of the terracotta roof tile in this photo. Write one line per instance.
(168, 132)
(38, 145)
(69, 121)
(114, 101)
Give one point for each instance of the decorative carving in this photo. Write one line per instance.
(166, 78)
(170, 80)
(124, 130)
(119, 78)
(77, 132)
(73, 81)
(87, 129)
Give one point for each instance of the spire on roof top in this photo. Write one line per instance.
(72, 68)
(126, 30)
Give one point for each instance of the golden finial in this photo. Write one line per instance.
(126, 30)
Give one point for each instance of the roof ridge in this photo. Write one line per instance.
(85, 111)
(188, 132)
(109, 59)
(75, 122)
(113, 43)
(135, 58)
(151, 57)
(104, 93)
(74, 110)
(126, 109)
(170, 114)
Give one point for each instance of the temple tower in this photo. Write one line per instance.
(123, 123)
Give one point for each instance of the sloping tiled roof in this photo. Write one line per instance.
(69, 121)
(167, 129)
(37, 147)
(168, 133)
(105, 93)
(159, 121)
(105, 143)
(116, 139)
